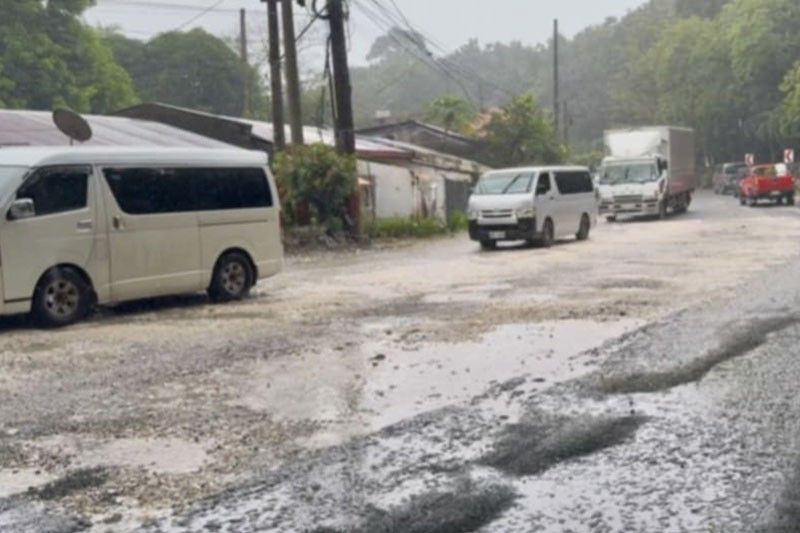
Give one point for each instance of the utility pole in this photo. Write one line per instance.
(292, 75)
(343, 92)
(565, 118)
(556, 98)
(245, 63)
(343, 101)
(276, 83)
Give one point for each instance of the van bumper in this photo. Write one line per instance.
(525, 229)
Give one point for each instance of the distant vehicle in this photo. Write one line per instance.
(648, 171)
(536, 204)
(727, 176)
(104, 225)
(767, 182)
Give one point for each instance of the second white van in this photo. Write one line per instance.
(534, 204)
(81, 226)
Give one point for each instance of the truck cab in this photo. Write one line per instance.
(647, 171)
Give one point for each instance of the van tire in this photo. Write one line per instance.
(548, 234)
(62, 297)
(232, 279)
(584, 229)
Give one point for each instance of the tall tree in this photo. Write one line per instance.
(521, 134)
(451, 113)
(50, 58)
(193, 69)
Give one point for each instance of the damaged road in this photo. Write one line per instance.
(643, 381)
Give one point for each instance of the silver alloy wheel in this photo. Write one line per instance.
(234, 278)
(62, 298)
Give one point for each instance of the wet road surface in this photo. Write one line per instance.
(643, 381)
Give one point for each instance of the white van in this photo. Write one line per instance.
(534, 204)
(81, 226)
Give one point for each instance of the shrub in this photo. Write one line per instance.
(396, 228)
(319, 177)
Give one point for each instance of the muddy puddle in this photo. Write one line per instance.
(360, 388)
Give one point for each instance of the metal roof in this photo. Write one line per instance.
(36, 128)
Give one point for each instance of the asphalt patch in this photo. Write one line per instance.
(529, 449)
(77, 481)
(468, 507)
(740, 343)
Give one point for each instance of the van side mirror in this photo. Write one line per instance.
(21, 209)
(663, 166)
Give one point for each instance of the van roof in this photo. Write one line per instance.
(546, 168)
(70, 155)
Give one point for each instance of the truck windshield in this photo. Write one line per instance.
(505, 183)
(635, 173)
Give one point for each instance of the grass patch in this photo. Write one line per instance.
(77, 481)
(530, 449)
(401, 228)
(740, 343)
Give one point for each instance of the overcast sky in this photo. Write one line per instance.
(450, 22)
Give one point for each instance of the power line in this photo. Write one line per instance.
(199, 15)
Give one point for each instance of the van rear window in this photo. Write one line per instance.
(140, 191)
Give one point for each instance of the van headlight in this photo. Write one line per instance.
(526, 212)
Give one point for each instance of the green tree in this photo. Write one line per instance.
(193, 69)
(451, 113)
(50, 58)
(790, 108)
(522, 134)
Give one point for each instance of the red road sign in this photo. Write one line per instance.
(788, 156)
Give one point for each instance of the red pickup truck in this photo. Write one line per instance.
(767, 182)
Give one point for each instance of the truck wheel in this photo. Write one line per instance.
(233, 278)
(584, 229)
(742, 200)
(790, 199)
(751, 201)
(488, 245)
(548, 234)
(61, 298)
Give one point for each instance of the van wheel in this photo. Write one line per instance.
(232, 279)
(585, 228)
(61, 298)
(548, 234)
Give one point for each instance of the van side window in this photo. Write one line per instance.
(543, 185)
(57, 189)
(574, 183)
(140, 191)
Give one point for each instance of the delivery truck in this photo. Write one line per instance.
(647, 171)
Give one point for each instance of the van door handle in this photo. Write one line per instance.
(85, 225)
(117, 223)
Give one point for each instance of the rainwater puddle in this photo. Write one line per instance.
(359, 389)
(19, 480)
(407, 383)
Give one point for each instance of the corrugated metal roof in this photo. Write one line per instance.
(36, 128)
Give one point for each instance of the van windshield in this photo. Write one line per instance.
(10, 179)
(505, 183)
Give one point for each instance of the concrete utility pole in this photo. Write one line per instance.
(343, 92)
(556, 97)
(292, 75)
(245, 63)
(276, 83)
